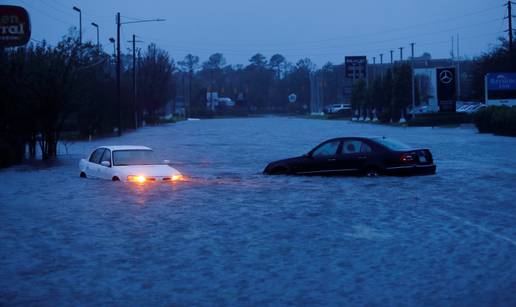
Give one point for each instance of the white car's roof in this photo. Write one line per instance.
(125, 147)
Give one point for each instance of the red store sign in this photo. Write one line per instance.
(14, 26)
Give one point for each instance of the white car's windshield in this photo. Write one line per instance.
(392, 144)
(134, 157)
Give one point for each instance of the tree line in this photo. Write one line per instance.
(387, 96)
(69, 90)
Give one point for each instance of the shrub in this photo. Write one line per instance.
(496, 119)
(440, 119)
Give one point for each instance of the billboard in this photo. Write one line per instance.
(446, 89)
(356, 67)
(500, 88)
(14, 26)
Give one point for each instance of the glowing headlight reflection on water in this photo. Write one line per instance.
(143, 179)
(139, 179)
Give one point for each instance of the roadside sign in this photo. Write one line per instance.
(356, 67)
(446, 89)
(14, 26)
(500, 89)
(292, 98)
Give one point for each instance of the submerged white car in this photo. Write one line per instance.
(127, 163)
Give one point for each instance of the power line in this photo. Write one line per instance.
(344, 45)
(320, 48)
(339, 53)
(46, 14)
(340, 38)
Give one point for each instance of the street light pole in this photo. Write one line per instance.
(80, 23)
(413, 81)
(97, 26)
(119, 23)
(112, 40)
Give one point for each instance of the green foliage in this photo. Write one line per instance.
(401, 88)
(49, 90)
(388, 95)
(496, 119)
(359, 95)
(440, 119)
(156, 85)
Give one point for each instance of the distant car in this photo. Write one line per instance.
(470, 108)
(420, 110)
(338, 108)
(127, 163)
(462, 108)
(358, 156)
(476, 108)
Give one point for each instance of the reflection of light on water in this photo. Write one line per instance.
(251, 182)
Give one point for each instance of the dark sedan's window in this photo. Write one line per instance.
(351, 147)
(96, 155)
(355, 146)
(365, 148)
(328, 149)
(392, 144)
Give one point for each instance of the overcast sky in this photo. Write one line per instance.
(324, 30)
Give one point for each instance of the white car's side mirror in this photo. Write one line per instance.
(105, 163)
(166, 161)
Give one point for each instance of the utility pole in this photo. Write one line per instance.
(80, 23)
(509, 17)
(458, 78)
(453, 48)
(134, 82)
(374, 68)
(118, 66)
(381, 65)
(337, 91)
(119, 103)
(392, 58)
(401, 53)
(135, 114)
(413, 81)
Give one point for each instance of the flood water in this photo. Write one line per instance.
(232, 236)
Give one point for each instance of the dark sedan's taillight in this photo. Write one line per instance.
(407, 158)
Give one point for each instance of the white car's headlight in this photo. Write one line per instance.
(177, 177)
(139, 179)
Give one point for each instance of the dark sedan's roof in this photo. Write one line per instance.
(380, 140)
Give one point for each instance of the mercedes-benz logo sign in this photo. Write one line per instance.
(446, 76)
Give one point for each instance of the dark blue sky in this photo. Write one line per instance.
(325, 30)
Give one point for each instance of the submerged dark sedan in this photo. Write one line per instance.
(358, 156)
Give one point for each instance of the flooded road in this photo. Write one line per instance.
(231, 236)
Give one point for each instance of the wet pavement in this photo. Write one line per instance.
(232, 236)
